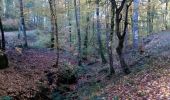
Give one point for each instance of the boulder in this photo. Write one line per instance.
(3, 60)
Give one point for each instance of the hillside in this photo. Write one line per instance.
(151, 77)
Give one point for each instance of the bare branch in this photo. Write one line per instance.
(121, 6)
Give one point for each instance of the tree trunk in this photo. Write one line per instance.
(54, 26)
(109, 38)
(86, 38)
(23, 23)
(52, 23)
(77, 15)
(135, 24)
(3, 56)
(166, 14)
(149, 21)
(2, 43)
(99, 34)
(120, 36)
(69, 23)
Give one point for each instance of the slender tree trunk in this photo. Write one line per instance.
(166, 14)
(149, 21)
(57, 41)
(120, 46)
(69, 23)
(93, 25)
(23, 23)
(135, 24)
(54, 27)
(120, 36)
(86, 38)
(152, 17)
(52, 23)
(99, 34)
(3, 56)
(77, 15)
(109, 37)
(3, 37)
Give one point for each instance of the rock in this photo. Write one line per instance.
(3, 60)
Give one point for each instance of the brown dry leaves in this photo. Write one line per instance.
(23, 76)
(151, 84)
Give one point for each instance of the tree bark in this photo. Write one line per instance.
(99, 34)
(135, 24)
(23, 23)
(77, 15)
(120, 46)
(69, 23)
(3, 36)
(149, 21)
(52, 23)
(86, 38)
(166, 14)
(54, 27)
(120, 36)
(3, 56)
(109, 37)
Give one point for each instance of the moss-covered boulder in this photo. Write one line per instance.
(3, 60)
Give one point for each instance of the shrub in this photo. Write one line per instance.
(42, 40)
(67, 74)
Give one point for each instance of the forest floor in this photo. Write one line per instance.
(150, 78)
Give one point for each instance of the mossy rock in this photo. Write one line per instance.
(3, 60)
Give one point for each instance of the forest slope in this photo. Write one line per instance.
(152, 81)
(150, 76)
